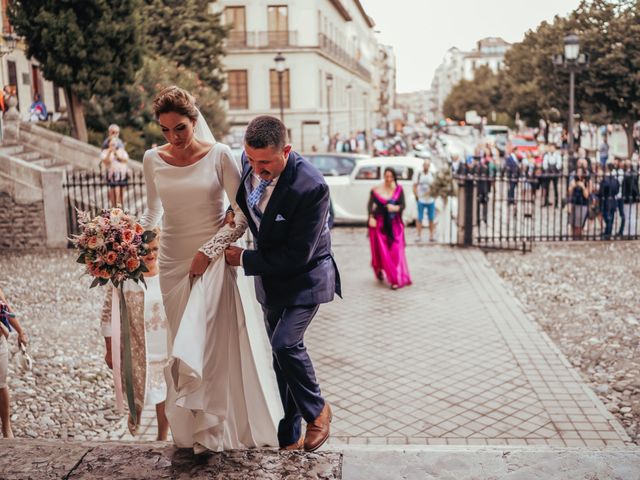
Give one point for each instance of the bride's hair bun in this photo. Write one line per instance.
(175, 99)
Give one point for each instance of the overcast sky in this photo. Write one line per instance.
(421, 31)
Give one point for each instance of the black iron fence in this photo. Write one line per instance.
(499, 210)
(94, 191)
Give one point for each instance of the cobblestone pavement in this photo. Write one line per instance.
(450, 360)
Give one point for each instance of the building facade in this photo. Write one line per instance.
(328, 53)
(22, 75)
(458, 65)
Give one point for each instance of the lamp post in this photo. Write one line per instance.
(280, 68)
(365, 101)
(329, 79)
(349, 87)
(572, 61)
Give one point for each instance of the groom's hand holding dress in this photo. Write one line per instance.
(232, 255)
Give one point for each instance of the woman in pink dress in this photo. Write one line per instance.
(386, 232)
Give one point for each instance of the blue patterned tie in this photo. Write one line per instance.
(256, 194)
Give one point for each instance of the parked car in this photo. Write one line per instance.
(497, 135)
(350, 193)
(335, 164)
(524, 143)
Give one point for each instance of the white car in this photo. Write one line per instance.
(350, 193)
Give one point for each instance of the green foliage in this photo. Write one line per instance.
(482, 94)
(90, 47)
(531, 86)
(131, 108)
(185, 32)
(443, 184)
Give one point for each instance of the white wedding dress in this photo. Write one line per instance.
(221, 390)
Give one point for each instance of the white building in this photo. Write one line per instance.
(386, 82)
(328, 78)
(23, 75)
(458, 65)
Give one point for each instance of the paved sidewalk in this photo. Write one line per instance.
(451, 360)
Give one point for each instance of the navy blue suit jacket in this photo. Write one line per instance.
(293, 263)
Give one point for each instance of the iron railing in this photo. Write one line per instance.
(92, 191)
(341, 56)
(513, 211)
(239, 40)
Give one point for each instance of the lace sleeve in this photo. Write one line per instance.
(228, 172)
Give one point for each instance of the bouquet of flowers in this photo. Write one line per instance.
(112, 245)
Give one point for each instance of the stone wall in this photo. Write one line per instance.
(22, 225)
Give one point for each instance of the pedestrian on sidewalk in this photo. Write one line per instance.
(422, 190)
(386, 231)
(8, 322)
(148, 333)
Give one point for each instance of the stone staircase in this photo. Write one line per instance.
(34, 157)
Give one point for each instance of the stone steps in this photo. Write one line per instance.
(35, 157)
(56, 459)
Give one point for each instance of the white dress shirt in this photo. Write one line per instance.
(262, 204)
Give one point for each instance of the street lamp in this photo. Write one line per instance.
(349, 87)
(280, 68)
(572, 61)
(329, 79)
(365, 101)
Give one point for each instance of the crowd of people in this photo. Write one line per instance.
(594, 190)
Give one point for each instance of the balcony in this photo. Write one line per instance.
(239, 40)
(338, 54)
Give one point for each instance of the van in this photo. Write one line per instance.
(497, 135)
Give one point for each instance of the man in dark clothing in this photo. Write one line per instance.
(609, 188)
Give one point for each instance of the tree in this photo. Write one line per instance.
(186, 32)
(608, 91)
(89, 47)
(610, 88)
(481, 94)
(132, 107)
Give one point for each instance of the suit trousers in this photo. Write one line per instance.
(299, 390)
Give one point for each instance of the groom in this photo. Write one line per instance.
(286, 202)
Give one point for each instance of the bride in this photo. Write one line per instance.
(221, 392)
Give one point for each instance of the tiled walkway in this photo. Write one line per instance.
(450, 360)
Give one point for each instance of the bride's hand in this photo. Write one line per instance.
(199, 264)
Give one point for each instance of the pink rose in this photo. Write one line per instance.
(133, 264)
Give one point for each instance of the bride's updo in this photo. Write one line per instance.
(175, 99)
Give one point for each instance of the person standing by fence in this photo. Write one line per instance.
(579, 199)
(512, 171)
(552, 167)
(630, 198)
(422, 191)
(609, 189)
(114, 161)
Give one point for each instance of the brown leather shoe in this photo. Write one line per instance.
(299, 445)
(318, 430)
